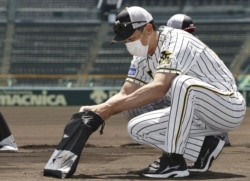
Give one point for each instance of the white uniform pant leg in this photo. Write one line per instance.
(170, 129)
(149, 128)
(193, 146)
(220, 111)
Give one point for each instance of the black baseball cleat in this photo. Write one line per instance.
(211, 148)
(168, 165)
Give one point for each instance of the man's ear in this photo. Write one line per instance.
(149, 28)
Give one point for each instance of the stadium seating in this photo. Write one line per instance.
(2, 36)
(51, 48)
(43, 48)
(2, 39)
(56, 3)
(56, 11)
(62, 37)
(111, 58)
(3, 10)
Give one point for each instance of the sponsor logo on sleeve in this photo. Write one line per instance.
(132, 71)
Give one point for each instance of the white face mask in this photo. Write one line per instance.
(137, 48)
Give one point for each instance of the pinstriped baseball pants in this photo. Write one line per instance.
(197, 109)
(193, 145)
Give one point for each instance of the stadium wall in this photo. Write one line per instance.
(55, 96)
(64, 96)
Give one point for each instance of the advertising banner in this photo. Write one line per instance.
(64, 97)
(54, 97)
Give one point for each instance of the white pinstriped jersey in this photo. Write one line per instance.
(187, 56)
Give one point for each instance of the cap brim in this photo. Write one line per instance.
(123, 35)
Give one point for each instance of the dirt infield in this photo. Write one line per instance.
(107, 157)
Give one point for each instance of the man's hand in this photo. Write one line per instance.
(104, 110)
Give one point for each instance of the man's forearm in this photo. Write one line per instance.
(140, 97)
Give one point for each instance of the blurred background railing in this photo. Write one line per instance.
(66, 43)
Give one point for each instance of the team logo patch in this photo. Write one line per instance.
(165, 57)
(132, 71)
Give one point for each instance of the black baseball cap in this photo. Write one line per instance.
(128, 20)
